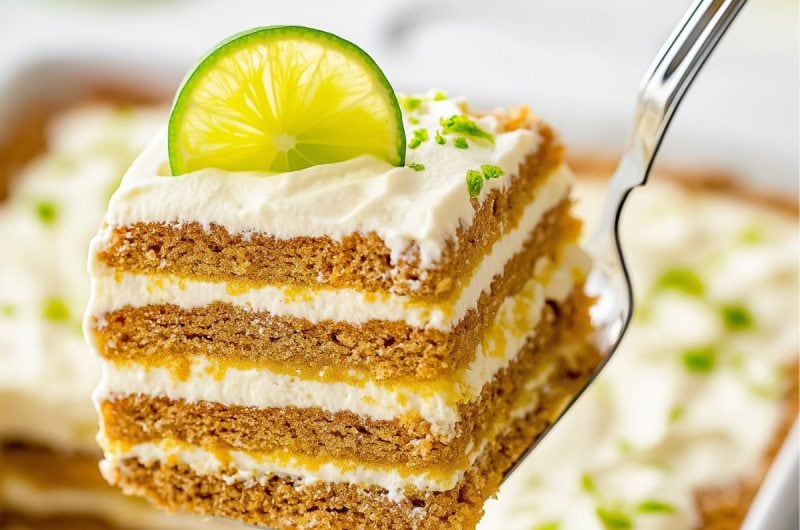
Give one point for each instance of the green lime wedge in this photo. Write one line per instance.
(283, 98)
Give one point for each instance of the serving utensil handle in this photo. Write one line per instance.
(660, 93)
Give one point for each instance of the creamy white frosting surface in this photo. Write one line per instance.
(262, 388)
(363, 195)
(112, 290)
(47, 372)
(693, 397)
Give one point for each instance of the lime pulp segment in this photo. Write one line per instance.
(283, 98)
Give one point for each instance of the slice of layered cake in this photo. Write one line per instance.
(305, 323)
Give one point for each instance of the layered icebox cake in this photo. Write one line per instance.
(345, 345)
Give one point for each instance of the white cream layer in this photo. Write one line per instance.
(241, 466)
(112, 290)
(363, 195)
(263, 388)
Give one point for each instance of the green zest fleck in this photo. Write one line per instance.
(676, 413)
(624, 447)
(410, 103)
(416, 166)
(460, 143)
(55, 310)
(491, 172)
(7, 310)
(700, 360)
(551, 525)
(47, 212)
(587, 484)
(461, 124)
(654, 506)
(439, 95)
(475, 178)
(420, 135)
(736, 317)
(613, 519)
(751, 235)
(412, 120)
(683, 280)
(474, 182)
(439, 138)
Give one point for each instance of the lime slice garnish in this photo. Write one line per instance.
(283, 98)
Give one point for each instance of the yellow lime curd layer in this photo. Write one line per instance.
(257, 467)
(253, 468)
(203, 379)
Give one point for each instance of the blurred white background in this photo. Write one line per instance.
(577, 62)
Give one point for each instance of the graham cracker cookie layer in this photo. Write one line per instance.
(283, 503)
(317, 433)
(357, 261)
(381, 350)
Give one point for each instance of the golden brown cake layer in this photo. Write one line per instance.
(278, 503)
(358, 261)
(383, 349)
(343, 435)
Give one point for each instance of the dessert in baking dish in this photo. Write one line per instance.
(679, 430)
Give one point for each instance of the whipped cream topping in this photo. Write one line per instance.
(262, 388)
(112, 290)
(693, 397)
(53, 208)
(403, 206)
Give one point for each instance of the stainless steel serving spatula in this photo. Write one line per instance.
(661, 91)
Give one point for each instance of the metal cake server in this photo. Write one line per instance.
(663, 86)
